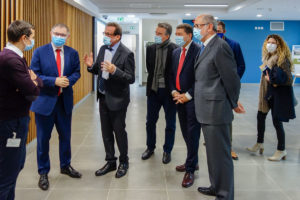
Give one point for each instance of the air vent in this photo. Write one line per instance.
(158, 14)
(277, 26)
(140, 5)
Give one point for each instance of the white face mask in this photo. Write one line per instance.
(271, 47)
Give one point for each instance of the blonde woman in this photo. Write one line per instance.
(275, 94)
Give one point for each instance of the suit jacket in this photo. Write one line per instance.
(43, 63)
(217, 84)
(150, 64)
(117, 92)
(187, 75)
(238, 56)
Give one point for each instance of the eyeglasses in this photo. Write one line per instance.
(60, 34)
(108, 34)
(199, 25)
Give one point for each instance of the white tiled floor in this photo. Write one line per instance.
(255, 176)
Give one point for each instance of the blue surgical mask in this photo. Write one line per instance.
(179, 40)
(220, 35)
(58, 41)
(29, 47)
(197, 34)
(107, 40)
(158, 39)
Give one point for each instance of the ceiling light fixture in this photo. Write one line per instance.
(216, 18)
(259, 15)
(188, 14)
(206, 5)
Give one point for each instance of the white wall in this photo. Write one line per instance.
(147, 33)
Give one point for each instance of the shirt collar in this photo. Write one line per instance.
(209, 39)
(187, 46)
(115, 47)
(54, 47)
(15, 49)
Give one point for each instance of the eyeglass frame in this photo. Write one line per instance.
(60, 34)
(200, 25)
(108, 34)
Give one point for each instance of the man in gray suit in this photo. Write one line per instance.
(113, 93)
(217, 87)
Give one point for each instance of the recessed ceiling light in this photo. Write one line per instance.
(206, 5)
(131, 16)
(188, 14)
(216, 18)
(259, 15)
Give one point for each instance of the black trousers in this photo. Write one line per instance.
(113, 126)
(190, 129)
(261, 125)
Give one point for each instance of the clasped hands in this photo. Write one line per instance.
(179, 98)
(62, 82)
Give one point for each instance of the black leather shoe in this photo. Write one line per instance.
(122, 170)
(70, 171)
(166, 158)
(147, 154)
(108, 167)
(43, 182)
(207, 191)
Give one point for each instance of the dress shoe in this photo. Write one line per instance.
(188, 180)
(207, 191)
(43, 182)
(147, 154)
(166, 158)
(122, 170)
(234, 156)
(70, 171)
(181, 168)
(256, 147)
(278, 155)
(108, 167)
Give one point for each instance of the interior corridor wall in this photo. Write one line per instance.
(43, 14)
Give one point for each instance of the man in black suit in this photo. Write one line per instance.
(158, 62)
(114, 96)
(182, 87)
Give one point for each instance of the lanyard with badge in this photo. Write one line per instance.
(13, 142)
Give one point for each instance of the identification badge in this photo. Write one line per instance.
(13, 142)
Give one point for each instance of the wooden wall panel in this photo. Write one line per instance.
(43, 14)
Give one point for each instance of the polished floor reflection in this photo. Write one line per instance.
(255, 176)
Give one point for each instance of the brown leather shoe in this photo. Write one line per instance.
(188, 180)
(181, 168)
(234, 155)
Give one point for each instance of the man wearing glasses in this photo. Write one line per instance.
(59, 67)
(115, 69)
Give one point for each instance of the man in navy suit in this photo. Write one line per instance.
(59, 67)
(182, 84)
(239, 59)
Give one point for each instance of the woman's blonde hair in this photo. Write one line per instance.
(282, 51)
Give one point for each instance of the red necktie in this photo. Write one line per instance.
(181, 61)
(58, 63)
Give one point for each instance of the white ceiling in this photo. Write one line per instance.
(174, 9)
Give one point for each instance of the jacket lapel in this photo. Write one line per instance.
(206, 50)
(52, 58)
(117, 54)
(188, 55)
(66, 60)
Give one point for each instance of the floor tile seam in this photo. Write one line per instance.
(274, 182)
